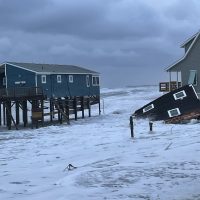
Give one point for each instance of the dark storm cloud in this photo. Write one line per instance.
(129, 38)
(89, 18)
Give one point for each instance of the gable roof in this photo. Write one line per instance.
(186, 53)
(52, 68)
(189, 40)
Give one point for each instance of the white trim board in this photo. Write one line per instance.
(188, 40)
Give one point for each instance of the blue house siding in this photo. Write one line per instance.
(22, 77)
(78, 88)
(94, 89)
(60, 89)
(45, 86)
(2, 75)
(15, 75)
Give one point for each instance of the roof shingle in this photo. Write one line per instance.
(53, 68)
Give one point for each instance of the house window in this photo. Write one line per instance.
(4, 80)
(179, 95)
(71, 79)
(147, 108)
(44, 78)
(193, 77)
(174, 112)
(59, 80)
(95, 81)
(88, 81)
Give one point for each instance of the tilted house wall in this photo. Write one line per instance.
(189, 64)
(55, 80)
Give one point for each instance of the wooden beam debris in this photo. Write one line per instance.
(168, 146)
(70, 167)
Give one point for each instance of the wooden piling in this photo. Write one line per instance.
(17, 112)
(82, 106)
(150, 126)
(4, 113)
(75, 108)
(59, 113)
(99, 105)
(42, 109)
(34, 121)
(25, 117)
(51, 106)
(131, 126)
(61, 110)
(89, 106)
(8, 114)
(67, 107)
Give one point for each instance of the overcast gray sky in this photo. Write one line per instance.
(129, 42)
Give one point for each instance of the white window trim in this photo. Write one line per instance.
(146, 109)
(175, 95)
(178, 112)
(194, 91)
(87, 80)
(95, 84)
(93, 78)
(45, 79)
(59, 79)
(71, 79)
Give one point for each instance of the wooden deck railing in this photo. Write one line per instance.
(21, 92)
(164, 86)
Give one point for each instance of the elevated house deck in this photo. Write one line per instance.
(39, 92)
(16, 93)
(169, 86)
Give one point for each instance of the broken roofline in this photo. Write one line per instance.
(181, 59)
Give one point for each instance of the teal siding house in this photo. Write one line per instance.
(55, 80)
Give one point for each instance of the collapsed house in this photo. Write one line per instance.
(181, 102)
(173, 107)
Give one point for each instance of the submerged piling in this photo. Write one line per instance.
(131, 126)
(150, 126)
